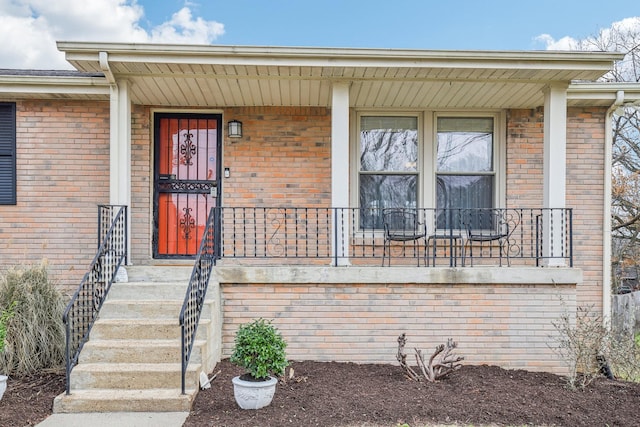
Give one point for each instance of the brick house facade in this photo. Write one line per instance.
(89, 139)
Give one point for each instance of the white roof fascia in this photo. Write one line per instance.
(604, 91)
(54, 85)
(337, 57)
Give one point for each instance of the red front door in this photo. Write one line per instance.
(187, 166)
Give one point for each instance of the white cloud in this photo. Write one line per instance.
(565, 43)
(608, 39)
(182, 28)
(33, 26)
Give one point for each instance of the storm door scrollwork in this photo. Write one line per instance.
(187, 223)
(188, 150)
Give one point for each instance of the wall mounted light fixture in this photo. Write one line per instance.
(235, 129)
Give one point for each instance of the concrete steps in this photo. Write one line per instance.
(151, 328)
(132, 360)
(131, 376)
(143, 351)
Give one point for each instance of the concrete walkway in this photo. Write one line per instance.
(120, 419)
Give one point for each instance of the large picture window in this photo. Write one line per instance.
(445, 161)
(388, 173)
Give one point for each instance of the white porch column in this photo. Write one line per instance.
(120, 150)
(120, 140)
(340, 169)
(555, 171)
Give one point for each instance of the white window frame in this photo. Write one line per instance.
(427, 151)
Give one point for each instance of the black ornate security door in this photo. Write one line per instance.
(187, 167)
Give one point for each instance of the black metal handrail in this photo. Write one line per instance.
(83, 308)
(290, 234)
(197, 291)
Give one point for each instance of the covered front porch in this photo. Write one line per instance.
(316, 101)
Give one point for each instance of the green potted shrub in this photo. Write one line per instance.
(259, 349)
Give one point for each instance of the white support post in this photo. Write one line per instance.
(340, 170)
(606, 238)
(555, 172)
(120, 150)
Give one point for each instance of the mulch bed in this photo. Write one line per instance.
(345, 394)
(29, 400)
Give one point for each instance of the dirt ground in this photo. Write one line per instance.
(345, 394)
(29, 400)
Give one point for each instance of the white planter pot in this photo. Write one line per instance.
(3, 384)
(254, 394)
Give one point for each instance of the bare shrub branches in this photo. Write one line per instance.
(591, 349)
(440, 364)
(402, 358)
(579, 343)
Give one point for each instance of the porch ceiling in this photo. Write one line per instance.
(207, 92)
(218, 76)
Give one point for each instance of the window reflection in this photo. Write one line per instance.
(465, 170)
(388, 166)
(378, 192)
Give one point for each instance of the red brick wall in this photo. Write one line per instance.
(525, 139)
(62, 175)
(141, 184)
(585, 183)
(585, 194)
(283, 158)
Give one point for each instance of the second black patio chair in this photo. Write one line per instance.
(403, 225)
(486, 226)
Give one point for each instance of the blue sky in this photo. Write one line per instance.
(422, 24)
(30, 28)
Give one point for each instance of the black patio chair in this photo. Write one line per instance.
(402, 225)
(485, 226)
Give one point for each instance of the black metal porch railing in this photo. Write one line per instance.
(83, 308)
(454, 237)
(196, 291)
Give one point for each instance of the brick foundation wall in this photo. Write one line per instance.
(62, 175)
(505, 325)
